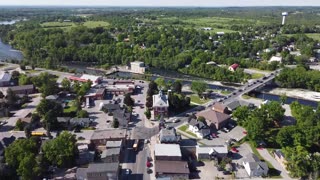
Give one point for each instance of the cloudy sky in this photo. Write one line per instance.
(212, 3)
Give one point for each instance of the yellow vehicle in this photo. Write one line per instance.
(136, 145)
(35, 133)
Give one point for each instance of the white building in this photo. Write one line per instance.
(138, 67)
(255, 167)
(276, 59)
(206, 152)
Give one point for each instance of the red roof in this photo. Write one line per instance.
(234, 66)
(74, 78)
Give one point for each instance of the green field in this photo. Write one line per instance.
(256, 76)
(68, 25)
(315, 36)
(195, 99)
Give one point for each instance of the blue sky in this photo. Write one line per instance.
(214, 3)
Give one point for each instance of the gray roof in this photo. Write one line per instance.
(20, 88)
(63, 119)
(122, 116)
(110, 152)
(111, 106)
(220, 149)
(103, 167)
(160, 100)
(5, 77)
(235, 104)
(168, 136)
(167, 150)
(254, 162)
(108, 134)
(113, 144)
(84, 122)
(81, 174)
(52, 97)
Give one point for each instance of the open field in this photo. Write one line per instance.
(195, 99)
(68, 25)
(256, 75)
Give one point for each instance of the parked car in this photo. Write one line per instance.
(176, 120)
(148, 164)
(226, 129)
(234, 150)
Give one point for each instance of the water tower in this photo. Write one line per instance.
(284, 14)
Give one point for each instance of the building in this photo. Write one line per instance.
(23, 90)
(99, 171)
(80, 122)
(235, 104)
(167, 152)
(214, 119)
(160, 104)
(172, 169)
(114, 144)
(120, 87)
(279, 156)
(101, 137)
(275, 59)
(220, 108)
(5, 79)
(209, 152)
(111, 155)
(169, 136)
(233, 67)
(86, 77)
(137, 67)
(122, 116)
(254, 167)
(199, 128)
(64, 121)
(207, 28)
(96, 94)
(220, 33)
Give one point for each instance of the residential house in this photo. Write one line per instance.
(23, 90)
(99, 171)
(275, 59)
(5, 79)
(64, 121)
(169, 136)
(235, 104)
(111, 155)
(254, 167)
(233, 67)
(199, 128)
(160, 104)
(167, 152)
(220, 108)
(123, 117)
(172, 169)
(96, 94)
(85, 156)
(209, 152)
(114, 144)
(214, 119)
(101, 137)
(279, 156)
(80, 122)
(138, 67)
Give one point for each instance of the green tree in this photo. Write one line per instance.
(298, 161)
(28, 168)
(24, 80)
(274, 111)
(161, 83)
(19, 125)
(66, 84)
(128, 101)
(12, 98)
(285, 136)
(201, 119)
(177, 86)
(46, 105)
(82, 114)
(27, 131)
(147, 113)
(199, 87)
(283, 98)
(62, 150)
(241, 114)
(15, 75)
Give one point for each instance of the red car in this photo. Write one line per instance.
(234, 150)
(245, 132)
(148, 164)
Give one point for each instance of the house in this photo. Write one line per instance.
(99, 171)
(167, 152)
(233, 67)
(110, 107)
(220, 108)
(52, 97)
(207, 28)
(23, 90)
(111, 155)
(172, 169)
(137, 67)
(64, 121)
(5, 79)
(169, 136)
(220, 33)
(254, 167)
(209, 152)
(213, 118)
(275, 59)
(80, 122)
(160, 104)
(85, 156)
(279, 156)
(235, 104)
(199, 128)
(85, 78)
(100, 137)
(122, 116)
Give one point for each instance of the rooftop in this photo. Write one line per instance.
(167, 150)
(108, 134)
(113, 144)
(103, 167)
(110, 152)
(20, 88)
(212, 116)
(171, 167)
(4, 76)
(220, 149)
(160, 100)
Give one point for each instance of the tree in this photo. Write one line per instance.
(27, 131)
(19, 125)
(161, 83)
(115, 123)
(62, 150)
(274, 111)
(128, 101)
(147, 113)
(66, 84)
(28, 168)
(12, 98)
(199, 87)
(283, 98)
(201, 119)
(241, 114)
(24, 80)
(82, 114)
(298, 161)
(255, 125)
(48, 88)
(177, 86)
(285, 136)
(153, 88)
(46, 105)
(15, 75)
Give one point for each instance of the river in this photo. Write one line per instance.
(8, 53)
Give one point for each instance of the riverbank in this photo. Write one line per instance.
(296, 93)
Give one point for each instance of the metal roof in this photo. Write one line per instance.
(167, 150)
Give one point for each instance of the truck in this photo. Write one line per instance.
(136, 145)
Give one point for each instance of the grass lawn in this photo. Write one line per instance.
(260, 70)
(315, 36)
(256, 76)
(184, 129)
(70, 108)
(225, 92)
(94, 24)
(68, 25)
(196, 99)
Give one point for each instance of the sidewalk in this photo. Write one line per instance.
(266, 155)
